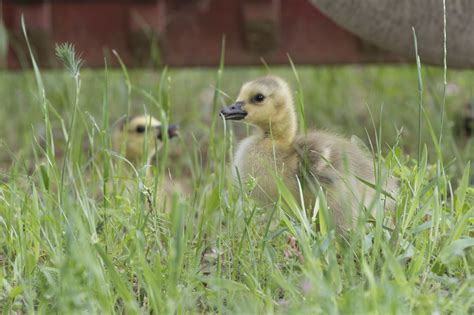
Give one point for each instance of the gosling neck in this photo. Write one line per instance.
(282, 129)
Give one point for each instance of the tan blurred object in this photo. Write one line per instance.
(388, 24)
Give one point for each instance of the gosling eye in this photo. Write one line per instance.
(259, 98)
(159, 133)
(140, 129)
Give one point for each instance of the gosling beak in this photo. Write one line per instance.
(172, 131)
(234, 112)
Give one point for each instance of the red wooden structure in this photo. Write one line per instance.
(182, 32)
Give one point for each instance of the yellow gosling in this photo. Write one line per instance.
(317, 159)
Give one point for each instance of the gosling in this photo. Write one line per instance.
(303, 162)
(141, 138)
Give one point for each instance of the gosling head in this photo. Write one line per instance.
(139, 133)
(267, 103)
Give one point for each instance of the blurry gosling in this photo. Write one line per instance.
(317, 159)
(135, 132)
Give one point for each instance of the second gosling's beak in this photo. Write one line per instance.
(172, 131)
(234, 112)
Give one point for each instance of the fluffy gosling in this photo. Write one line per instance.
(317, 159)
(140, 138)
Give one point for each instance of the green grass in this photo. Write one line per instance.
(79, 236)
